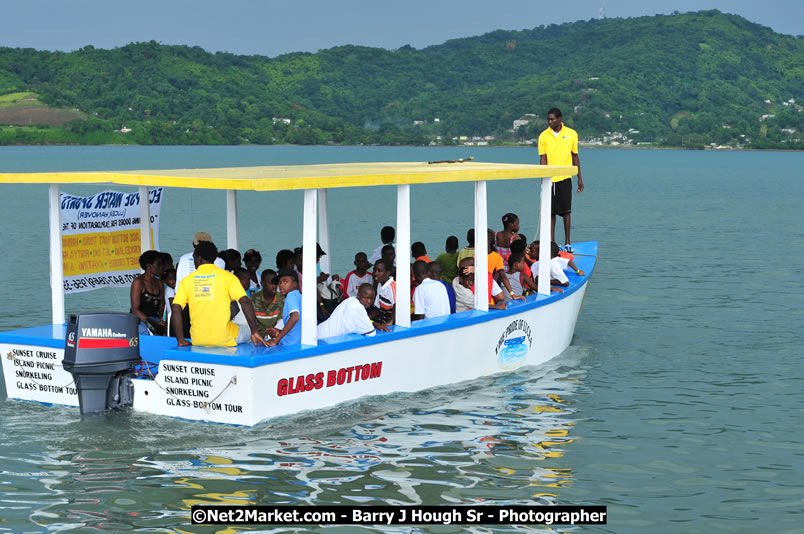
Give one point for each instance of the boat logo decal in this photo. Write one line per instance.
(514, 344)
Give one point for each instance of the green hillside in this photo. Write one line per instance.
(690, 79)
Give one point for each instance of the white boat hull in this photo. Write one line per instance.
(406, 365)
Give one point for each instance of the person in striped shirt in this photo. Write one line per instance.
(361, 275)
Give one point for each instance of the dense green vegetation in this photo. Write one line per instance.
(680, 80)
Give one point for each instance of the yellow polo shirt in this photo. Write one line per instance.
(208, 290)
(559, 149)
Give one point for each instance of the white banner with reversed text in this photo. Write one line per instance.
(100, 238)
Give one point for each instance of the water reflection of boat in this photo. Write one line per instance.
(500, 436)
(245, 385)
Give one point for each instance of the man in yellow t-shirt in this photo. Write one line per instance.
(558, 145)
(208, 292)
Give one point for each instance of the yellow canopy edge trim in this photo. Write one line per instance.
(276, 178)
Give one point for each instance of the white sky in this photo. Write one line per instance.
(273, 27)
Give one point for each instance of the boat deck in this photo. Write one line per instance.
(153, 348)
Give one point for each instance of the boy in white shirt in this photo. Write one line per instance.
(430, 298)
(358, 277)
(351, 317)
(557, 265)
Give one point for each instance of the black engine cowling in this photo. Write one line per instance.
(100, 351)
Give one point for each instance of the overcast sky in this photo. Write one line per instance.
(273, 27)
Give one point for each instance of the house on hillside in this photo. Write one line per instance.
(524, 120)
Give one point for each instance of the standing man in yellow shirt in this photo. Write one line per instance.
(208, 291)
(558, 145)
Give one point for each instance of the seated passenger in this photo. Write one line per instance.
(469, 250)
(557, 265)
(384, 311)
(232, 258)
(169, 279)
(520, 246)
(419, 252)
(252, 259)
(435, 271)
(299, 265)
(268, 303)
(285, 260)
(563, 253)
(148, 296)
(358, 277)
(497, 267)
(387, 236)
(244, 276)
(291, 311)
(430, 298)
(167, 261)
(520, 282)
(207, 292)
(449, 260)
(389, 257)
(509, 234)
(351, 317)
(464, 286)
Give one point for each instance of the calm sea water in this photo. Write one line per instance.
(679, 404)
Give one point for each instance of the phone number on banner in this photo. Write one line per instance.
(86, 283)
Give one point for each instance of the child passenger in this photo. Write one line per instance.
(268, 303)
(291, 311)
(419, 252)
(509, 234)
(252, 259)
(557, 265)
(449, 260)
(387, 236)
(521, 284)
(384, 311)
(358, 277)
(169, 278)
(469, 250)
(389, 257)
(519, 246)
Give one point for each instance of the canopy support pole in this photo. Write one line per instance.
(323, 230)
(402, 255)
(544, 237)
(56, 260)
(145, 220)
(481, 248)
(309, 316)
(231, 219)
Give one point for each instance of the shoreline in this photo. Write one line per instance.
(581, 145)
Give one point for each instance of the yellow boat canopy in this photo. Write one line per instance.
(289, 177)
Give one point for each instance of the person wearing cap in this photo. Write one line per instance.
(291, 311)
(208, 293)
(186, 263)
(320, 277)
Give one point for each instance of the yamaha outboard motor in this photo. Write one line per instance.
(100, 350)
